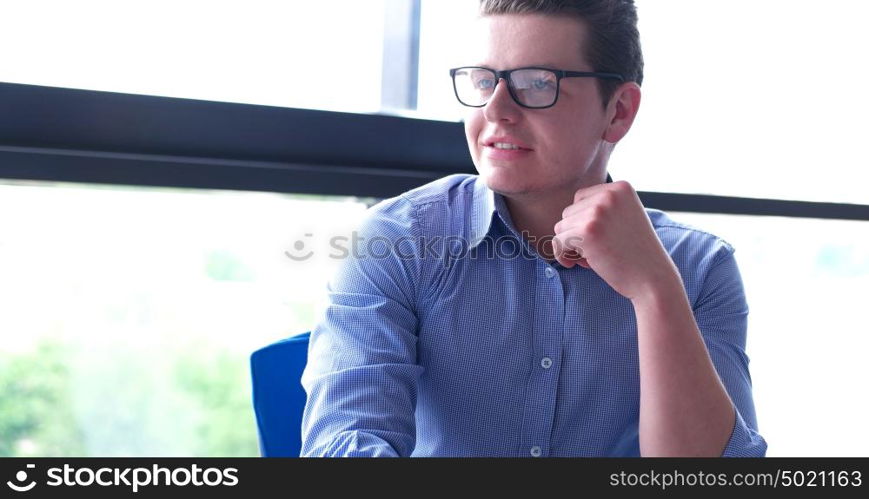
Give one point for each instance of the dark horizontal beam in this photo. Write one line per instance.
(70, 119)
(68, 135)
(206, 173)
(701, 203)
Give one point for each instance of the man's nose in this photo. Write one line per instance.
(501, 105)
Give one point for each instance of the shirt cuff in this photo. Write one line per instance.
(358, 444)
(744, 441)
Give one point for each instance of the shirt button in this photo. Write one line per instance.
(536, 451)
(550, 272)
(545, 362)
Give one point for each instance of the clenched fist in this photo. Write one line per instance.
(607, 230)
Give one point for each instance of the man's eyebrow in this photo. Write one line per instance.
(537, 65)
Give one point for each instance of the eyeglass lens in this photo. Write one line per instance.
(530, 87)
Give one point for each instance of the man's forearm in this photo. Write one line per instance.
(684, 408)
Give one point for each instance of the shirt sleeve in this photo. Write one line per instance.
(361, 376)
(721, 312)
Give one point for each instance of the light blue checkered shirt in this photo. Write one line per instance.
(447, 335)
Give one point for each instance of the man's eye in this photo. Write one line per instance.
(485, 84)
(541, 84)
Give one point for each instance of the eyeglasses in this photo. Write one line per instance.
(534, 88)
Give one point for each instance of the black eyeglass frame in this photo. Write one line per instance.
(505, 75)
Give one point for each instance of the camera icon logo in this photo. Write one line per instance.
(20, 477)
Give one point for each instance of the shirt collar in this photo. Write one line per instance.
(487, 204)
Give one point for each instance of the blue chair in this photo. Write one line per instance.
(278, 396)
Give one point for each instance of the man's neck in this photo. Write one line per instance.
(535, 218)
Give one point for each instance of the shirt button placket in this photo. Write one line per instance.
(545, 380)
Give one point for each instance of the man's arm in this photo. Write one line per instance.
(361, 375)
(685, 408)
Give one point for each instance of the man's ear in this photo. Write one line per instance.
(621, 111)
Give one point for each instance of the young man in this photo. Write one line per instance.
(535, 309)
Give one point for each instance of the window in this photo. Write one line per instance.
(442, 26)
(129, 314)
(291, 54)
(805, 282)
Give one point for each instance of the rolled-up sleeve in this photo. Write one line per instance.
(721, 312)
(362, 373)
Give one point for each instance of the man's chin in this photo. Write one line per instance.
(506, 186)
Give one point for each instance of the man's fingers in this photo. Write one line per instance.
(586, 204)
(586, 192)
(569, 262)
(574, 254)
(567, 250)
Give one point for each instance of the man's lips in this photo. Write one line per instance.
(504, 147)
(492, 152)
(504, 143)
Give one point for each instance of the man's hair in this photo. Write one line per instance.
(613, 43)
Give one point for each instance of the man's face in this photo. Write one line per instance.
(562, 146)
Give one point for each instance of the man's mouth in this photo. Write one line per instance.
(505, 145)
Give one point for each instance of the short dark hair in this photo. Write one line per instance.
(613, 43)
